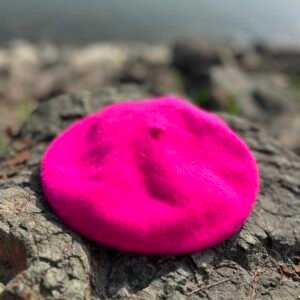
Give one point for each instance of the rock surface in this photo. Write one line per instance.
(261, 84)
(32, 73)
(40, 258)
(261, 98)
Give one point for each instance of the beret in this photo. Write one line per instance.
(156, 176)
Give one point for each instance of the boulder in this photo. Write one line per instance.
(259, 97)
(41, 258)
(268, 58)
(194, 57)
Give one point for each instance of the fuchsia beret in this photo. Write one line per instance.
(154, 176)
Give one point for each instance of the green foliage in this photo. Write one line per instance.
(203, 96)
(294, 82)
(2, 143)
(232, 107)
(182, 80)
(24, 109)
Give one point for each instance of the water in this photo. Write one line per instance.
(80, 21)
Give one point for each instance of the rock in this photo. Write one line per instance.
(194, 58)
(259, 97)
(157, 76)
(33, 73)
(264, 58)
(29, 71)
(245, 82)
(41, 258)
(264, 98)
(287, 130)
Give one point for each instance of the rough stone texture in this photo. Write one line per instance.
(40, 258)
(31, 73)
(262, 97)
(266, 58)
(258, 84)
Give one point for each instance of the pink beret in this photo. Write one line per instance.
(155, 176)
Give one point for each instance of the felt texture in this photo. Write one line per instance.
(156, 176)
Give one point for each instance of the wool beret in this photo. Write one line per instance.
(157, 176)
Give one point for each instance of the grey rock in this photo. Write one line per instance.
(271, 58)
(264, 98)
(195, 57)
(253, 83)
(31, 73)
(41, 258)
(259, 97)
(287, 130)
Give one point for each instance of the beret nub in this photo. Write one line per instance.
(155, 176)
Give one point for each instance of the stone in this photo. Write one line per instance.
(261, 97)
(41, 258)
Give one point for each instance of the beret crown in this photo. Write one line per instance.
(158, 176)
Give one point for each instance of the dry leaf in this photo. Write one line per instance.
(21, 144)
(19, 158)
(286, 270)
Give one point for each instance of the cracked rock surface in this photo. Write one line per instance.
(40, 258)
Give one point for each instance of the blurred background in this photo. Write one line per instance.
(240, 57)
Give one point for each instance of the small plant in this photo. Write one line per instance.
(24, 108)
(2, 143)
(232, 107)
(294, 82)
(182, 80)
(203, 97)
